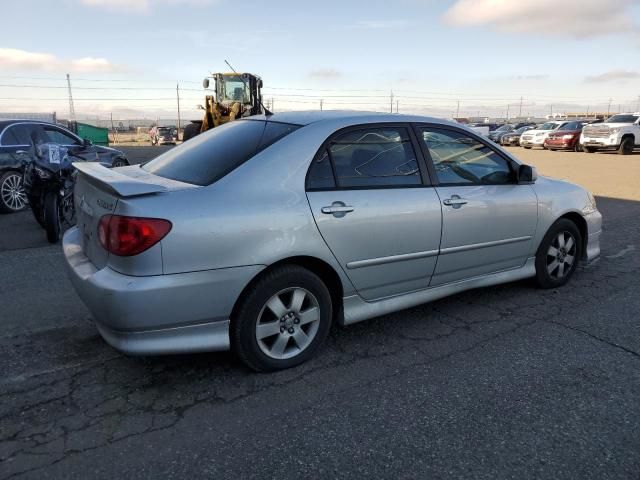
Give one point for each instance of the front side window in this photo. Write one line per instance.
(462, 160)
(374, 157)
(58, 136)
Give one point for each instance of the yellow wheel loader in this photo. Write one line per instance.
(237, 95)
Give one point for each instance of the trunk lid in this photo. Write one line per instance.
(97, 192)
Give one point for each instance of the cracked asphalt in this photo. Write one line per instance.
(503, 382)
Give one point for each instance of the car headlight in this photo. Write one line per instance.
(42, 173)
(613, 131)
(567, 137)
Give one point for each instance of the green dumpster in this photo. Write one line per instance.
(97, 135)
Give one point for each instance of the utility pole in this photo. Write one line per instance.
(397, 104)
(178, 98)
(587, 111)
(458, 110)
(638, 104)
(609, 107)
(551, 111)
(321, 100)
(391, 102)
(508, 105)
(520, 109)
(115, 133)
(72, 110)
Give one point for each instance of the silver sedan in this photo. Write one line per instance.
(261, 233)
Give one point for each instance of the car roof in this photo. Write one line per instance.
(315, 116)
(6, 122)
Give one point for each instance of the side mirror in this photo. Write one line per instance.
(527, 174)
(205, 83)
(86, 142)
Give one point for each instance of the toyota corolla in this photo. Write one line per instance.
(260, 234)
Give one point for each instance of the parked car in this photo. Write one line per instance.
(167, 136)
(537, 136)
(364, 214)
(513, 138)
(565, 138)
(17, 139)
(620, 132)
(492, 126)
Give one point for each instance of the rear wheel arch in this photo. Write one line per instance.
(319, 267)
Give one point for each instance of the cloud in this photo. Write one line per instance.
(613, 76)
(14, 59)
(139, 6)
(576, 18)
(325, 73)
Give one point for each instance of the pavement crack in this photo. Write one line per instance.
(595, 337)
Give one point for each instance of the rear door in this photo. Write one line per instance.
(373, 205)
(488, 219)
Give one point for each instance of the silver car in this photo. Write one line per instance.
(258, 235)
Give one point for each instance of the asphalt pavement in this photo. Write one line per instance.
(502, 382)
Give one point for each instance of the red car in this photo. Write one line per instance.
(567, 138)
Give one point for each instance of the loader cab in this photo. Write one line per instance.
(238, 87)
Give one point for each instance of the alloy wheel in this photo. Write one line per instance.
(288, 323)
(561, 255)
(12, 192)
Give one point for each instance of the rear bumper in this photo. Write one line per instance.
(159, 314)
(594, 229)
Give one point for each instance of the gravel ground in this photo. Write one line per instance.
(503, 382)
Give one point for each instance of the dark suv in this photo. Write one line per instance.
(17, 140)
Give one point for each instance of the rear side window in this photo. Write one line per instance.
(16, 135)
(211, 155)
(370, 157)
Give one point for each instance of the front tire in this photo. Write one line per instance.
(283, 320)
(119, 162)
(52, 217)
(558, 254)
(626, 147)
(588, 149)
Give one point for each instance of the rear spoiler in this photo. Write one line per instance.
(120, 184)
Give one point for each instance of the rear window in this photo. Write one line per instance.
(211, 155)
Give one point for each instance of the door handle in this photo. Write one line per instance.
(345, 209)
(455, 201)
(337, 209)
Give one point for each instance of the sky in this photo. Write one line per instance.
(438, 57)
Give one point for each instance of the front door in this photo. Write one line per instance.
(488, 219)
(379, 219)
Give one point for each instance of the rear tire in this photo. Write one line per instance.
(190, 131)
(528, 148)
(558, 254)
(12, 195)
(282, 320)
(577, 147)
(52, 217)
(119, 162)
(626, 147)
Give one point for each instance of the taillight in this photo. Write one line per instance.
(127, 236)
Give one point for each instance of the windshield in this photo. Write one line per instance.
(504, 128)
(233, 89)
(548, 126)
(164, 131)
(623, 119)
(523, 129)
